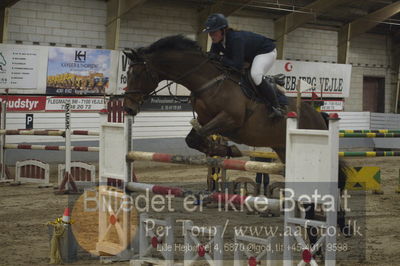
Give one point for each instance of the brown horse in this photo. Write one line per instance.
(217, 98)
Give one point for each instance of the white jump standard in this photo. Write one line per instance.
(151, 238)
(305, 176)
(212, 251)
(115, 168)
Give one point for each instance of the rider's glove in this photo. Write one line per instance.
(214, 56)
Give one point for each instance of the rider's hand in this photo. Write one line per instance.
(215, 57)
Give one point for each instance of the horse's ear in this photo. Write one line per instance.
(135, 52)
(132, 54)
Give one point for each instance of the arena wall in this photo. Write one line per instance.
(71, 22)
(82, 23)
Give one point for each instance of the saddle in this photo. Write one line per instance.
(250, 89)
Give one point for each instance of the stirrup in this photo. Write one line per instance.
(276, 112)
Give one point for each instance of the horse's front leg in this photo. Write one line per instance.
(220, 124)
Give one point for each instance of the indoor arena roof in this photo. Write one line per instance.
(324, 14)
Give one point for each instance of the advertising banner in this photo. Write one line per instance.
(326, 80)
(332, 105)
(167, 103)
(122, 77)
(18, 67)
(78, 71)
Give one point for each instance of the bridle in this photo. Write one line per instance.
(155, 76)
(151, 74)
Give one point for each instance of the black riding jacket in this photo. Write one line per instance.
(241, 47)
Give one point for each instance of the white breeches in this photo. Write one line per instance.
(262, 63)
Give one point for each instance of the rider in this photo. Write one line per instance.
(239, 47)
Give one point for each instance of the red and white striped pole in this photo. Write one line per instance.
(233, 164)
(259, 203)
(49, 147)
(46, 132)
(155, 189)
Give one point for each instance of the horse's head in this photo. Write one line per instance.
(141, 81)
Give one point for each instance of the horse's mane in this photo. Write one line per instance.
(175, 42)
(181, 43)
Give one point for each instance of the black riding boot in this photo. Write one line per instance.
(267, 90)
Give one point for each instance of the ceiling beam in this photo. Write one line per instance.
(343, 44)
(363, 24)
(360, 26)
(396, 50)
(113, 24)
(396, 36)
(396, 61)
(220, 6)
(292, 21)
(7, 3)
(124, 7)
(116, 9)
(4, 13)
(224, 7)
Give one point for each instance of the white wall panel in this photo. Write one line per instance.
(147, 125)
(354, 120)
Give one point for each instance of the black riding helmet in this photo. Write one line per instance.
(215, 22)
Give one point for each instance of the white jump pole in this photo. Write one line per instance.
(67, 185)
(67, 140)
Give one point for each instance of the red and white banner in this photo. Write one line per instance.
(325, 79)
(24, 103)
(57, 103)
(52, 103)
